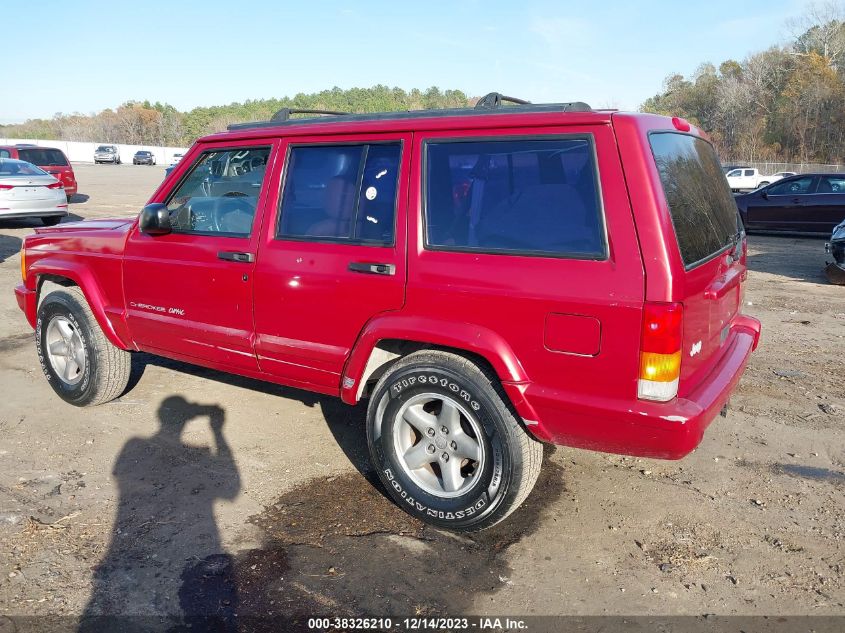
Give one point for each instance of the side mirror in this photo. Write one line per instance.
(155, 219)
(764, 195)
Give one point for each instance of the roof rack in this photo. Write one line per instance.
(488, 105)
(494, 100)
(284, 113)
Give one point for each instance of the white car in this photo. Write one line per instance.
(27, 191)
(747, 179)
(176, 158)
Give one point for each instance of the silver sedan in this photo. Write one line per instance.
(27, 191)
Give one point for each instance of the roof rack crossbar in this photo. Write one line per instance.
(494, 100)
(284, 113)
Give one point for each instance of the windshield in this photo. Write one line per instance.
(703, 210)
(105, 148)
(142, 153)
(43, 156)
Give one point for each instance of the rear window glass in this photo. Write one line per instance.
(700, 202)
(19, 168)
(42, 156)
(520, 196)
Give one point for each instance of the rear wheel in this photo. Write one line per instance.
(447, 445)
(80, 364)
(52, 220)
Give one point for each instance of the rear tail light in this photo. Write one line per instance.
(6, 187)
(660, 351)
(56, 185)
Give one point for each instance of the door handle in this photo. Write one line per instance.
(234, 256)
(372, 269)
(796, 201)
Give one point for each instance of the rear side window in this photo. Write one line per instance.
(517, 196)
(341, 193)
(42, 156)
(703, 210)
(4, 153)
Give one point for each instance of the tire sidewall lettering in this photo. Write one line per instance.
(484, 497)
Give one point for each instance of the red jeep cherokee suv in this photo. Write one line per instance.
(50, 159)
(490, 278)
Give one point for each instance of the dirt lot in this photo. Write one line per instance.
(138, 507)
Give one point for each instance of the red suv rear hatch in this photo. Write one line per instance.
(711, 245)
(54, 162)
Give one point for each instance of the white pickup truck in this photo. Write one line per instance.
(746, 178)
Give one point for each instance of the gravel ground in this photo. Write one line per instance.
(139, 507)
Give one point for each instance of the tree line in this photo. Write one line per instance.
(786, 103)
(145, 123)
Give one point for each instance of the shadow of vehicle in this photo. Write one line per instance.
(800, 258)
(165, 517)
(79, 198)
(9, 245)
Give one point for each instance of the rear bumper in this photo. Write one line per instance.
(34, 213)
(668, 430)
(27, 302)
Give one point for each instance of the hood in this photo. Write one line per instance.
(115, 224)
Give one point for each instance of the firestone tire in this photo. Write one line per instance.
(483, 463)
(80, 364)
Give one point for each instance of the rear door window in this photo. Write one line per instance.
(43, 157)
(702, 208)
(341, 193)
(515, 196)
(831, 184)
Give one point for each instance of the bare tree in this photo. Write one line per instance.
(821, 30)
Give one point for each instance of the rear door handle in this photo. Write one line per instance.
(372, 269)
(234, 256)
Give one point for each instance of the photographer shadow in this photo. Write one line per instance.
(165, 556)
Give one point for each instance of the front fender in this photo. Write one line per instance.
(465, 336)
(111, 320)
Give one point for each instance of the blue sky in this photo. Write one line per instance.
(85, 56)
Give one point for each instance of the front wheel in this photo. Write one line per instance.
(80, 364)
(446, 444)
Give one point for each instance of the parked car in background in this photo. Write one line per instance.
(107, 154)
(27, 191)
(143, 157)
(580, 290)
(746, 178)
(804, 203)
(176, 159)
(835, 270)
(782, 174)
(50, 159)
(729, 168)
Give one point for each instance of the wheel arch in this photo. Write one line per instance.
(52, 277)
(388, 338)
